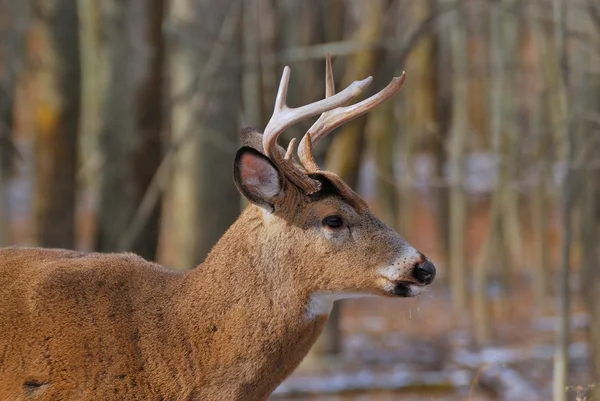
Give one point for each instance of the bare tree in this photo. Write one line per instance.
(590, 208)
(13, 20)
(55, 65)
(132, 123)
(251, 82)
(96, 31)
(457, 154)
(481, 307)
(297, 27)
(590, 222)
(503, 223)
(382, 133)
(442, 81)
(535, 41)
(420, 109)
(204, 124)
(561, 357)
(512, 238)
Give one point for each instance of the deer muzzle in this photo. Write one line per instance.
(407, 276)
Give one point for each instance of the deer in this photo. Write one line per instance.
(114, 326)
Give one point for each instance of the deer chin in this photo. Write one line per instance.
(321, 303)
(404, 289)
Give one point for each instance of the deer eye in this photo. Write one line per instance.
(334, 221)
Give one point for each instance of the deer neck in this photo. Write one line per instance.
(244, 311)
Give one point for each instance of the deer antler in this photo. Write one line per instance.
(284, 117)
(333, 118)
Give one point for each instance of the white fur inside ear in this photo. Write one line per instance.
(263, 182)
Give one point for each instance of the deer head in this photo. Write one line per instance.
(331, 242)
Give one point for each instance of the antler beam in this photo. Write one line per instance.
(334, 118)
(284, 117)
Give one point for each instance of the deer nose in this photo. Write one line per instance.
(424, 272)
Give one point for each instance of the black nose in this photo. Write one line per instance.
(425, 272)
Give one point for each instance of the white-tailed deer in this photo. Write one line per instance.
(77, 326)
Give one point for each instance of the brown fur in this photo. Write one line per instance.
(77, 326)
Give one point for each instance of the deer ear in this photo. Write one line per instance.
(257, 178)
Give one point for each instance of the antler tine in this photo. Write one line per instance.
(284, 117)
(290, 149)
(305, 147)
(332, 119)
(329, 81)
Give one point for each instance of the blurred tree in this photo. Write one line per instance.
(270, 71)
(297, 28)
(97, 28)
(13, 22)
(492, 246)
(477, 25)
(420, 109)
(590, 223)
(205, 114)
(442, 81)
(503, 225)
(457, 160)
(132, 123)
(534, 41)
(590, 208)
(511, 240)
(251, 82)
(54, 61)
(561, 356)
(332, 19)
(382, 130)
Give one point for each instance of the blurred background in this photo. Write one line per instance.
(119, 121)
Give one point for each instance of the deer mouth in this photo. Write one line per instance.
(404, 289)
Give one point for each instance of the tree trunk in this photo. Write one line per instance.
(492, 245)
(251, 83)
(590, 223)
(13, 22)
(561, 357)
(297, 28)
(132, 124)
(205, 128)
(538, 126)
(216, 190)
(95, 31)
(442, 82)
(457, 156)
(54, 56)
(512, 237)
(421, 110)
(589, 212)
(382, 135)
